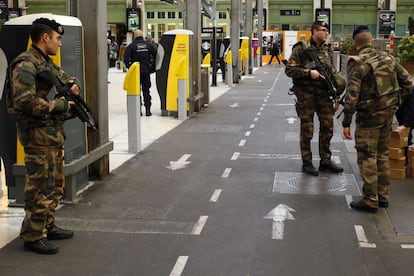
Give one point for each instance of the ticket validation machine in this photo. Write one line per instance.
(173, 63)
(14, 39)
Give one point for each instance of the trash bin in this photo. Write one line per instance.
(205, 85)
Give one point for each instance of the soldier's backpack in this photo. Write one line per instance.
(387, 88)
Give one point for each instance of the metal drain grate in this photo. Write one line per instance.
(401, 218)
(299, 183)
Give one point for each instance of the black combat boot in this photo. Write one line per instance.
(148, 111)
(330, 167)
(57, 233)
(42, 246)
(383, 204)
(309, 169)
(361, 205)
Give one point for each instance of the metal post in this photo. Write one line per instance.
(249, 23)
(134, 123)
(235, 38)
(214, 46)
(259, 7)
(93, 16)
(182, 99)
(192, 22)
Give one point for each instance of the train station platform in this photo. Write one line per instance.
(152, 128)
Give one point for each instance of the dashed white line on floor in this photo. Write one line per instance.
(215, 196)
(226, 173)
(261, 109)
(198, 227)
(362, 238)
(242, 142)
(259, 113)
(407, 246)
(247, 133)
(348, 199)
(256, 119)
(235, 156)
(179, 266)
(252, 126)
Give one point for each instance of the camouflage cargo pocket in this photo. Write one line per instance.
(303, 110)
(300, 108)
(37, 166)
(47, 136)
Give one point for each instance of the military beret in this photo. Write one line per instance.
(318, 24)
(360, 29)
(51, 24)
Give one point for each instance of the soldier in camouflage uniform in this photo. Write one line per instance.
(376, 87)
(40, 116)
(312, 96)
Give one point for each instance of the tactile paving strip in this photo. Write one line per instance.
(213, 129)
(146, 212)
(300, 183)
(294, 137)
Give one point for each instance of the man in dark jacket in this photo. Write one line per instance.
(145, 53)
(405, 115)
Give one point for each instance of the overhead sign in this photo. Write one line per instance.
(323, 15)
(219, 30)
(4, 11)
(133, 19)
(290, 12)
(386, 22)
(172, 2)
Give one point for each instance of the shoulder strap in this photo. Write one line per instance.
(302, 43)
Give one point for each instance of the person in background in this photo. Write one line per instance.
(122, 49)
(39, 118)
(376, 85)
(275, 52)
(405, 116)
(145, 53)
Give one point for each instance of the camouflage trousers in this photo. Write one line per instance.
(372, 152)
(43, 189)
(307, 104)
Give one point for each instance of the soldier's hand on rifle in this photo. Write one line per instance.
(70, 104)
(74, 89)
(314, 74)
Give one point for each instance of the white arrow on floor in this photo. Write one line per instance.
(291, 120)
(279, 214)
(180, 163)
(234, 105)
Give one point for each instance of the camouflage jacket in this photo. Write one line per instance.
(298, 66)
(377, 85)
(33, 100)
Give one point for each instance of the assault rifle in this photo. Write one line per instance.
(341, 102)
(323, 69)
(80, 108)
